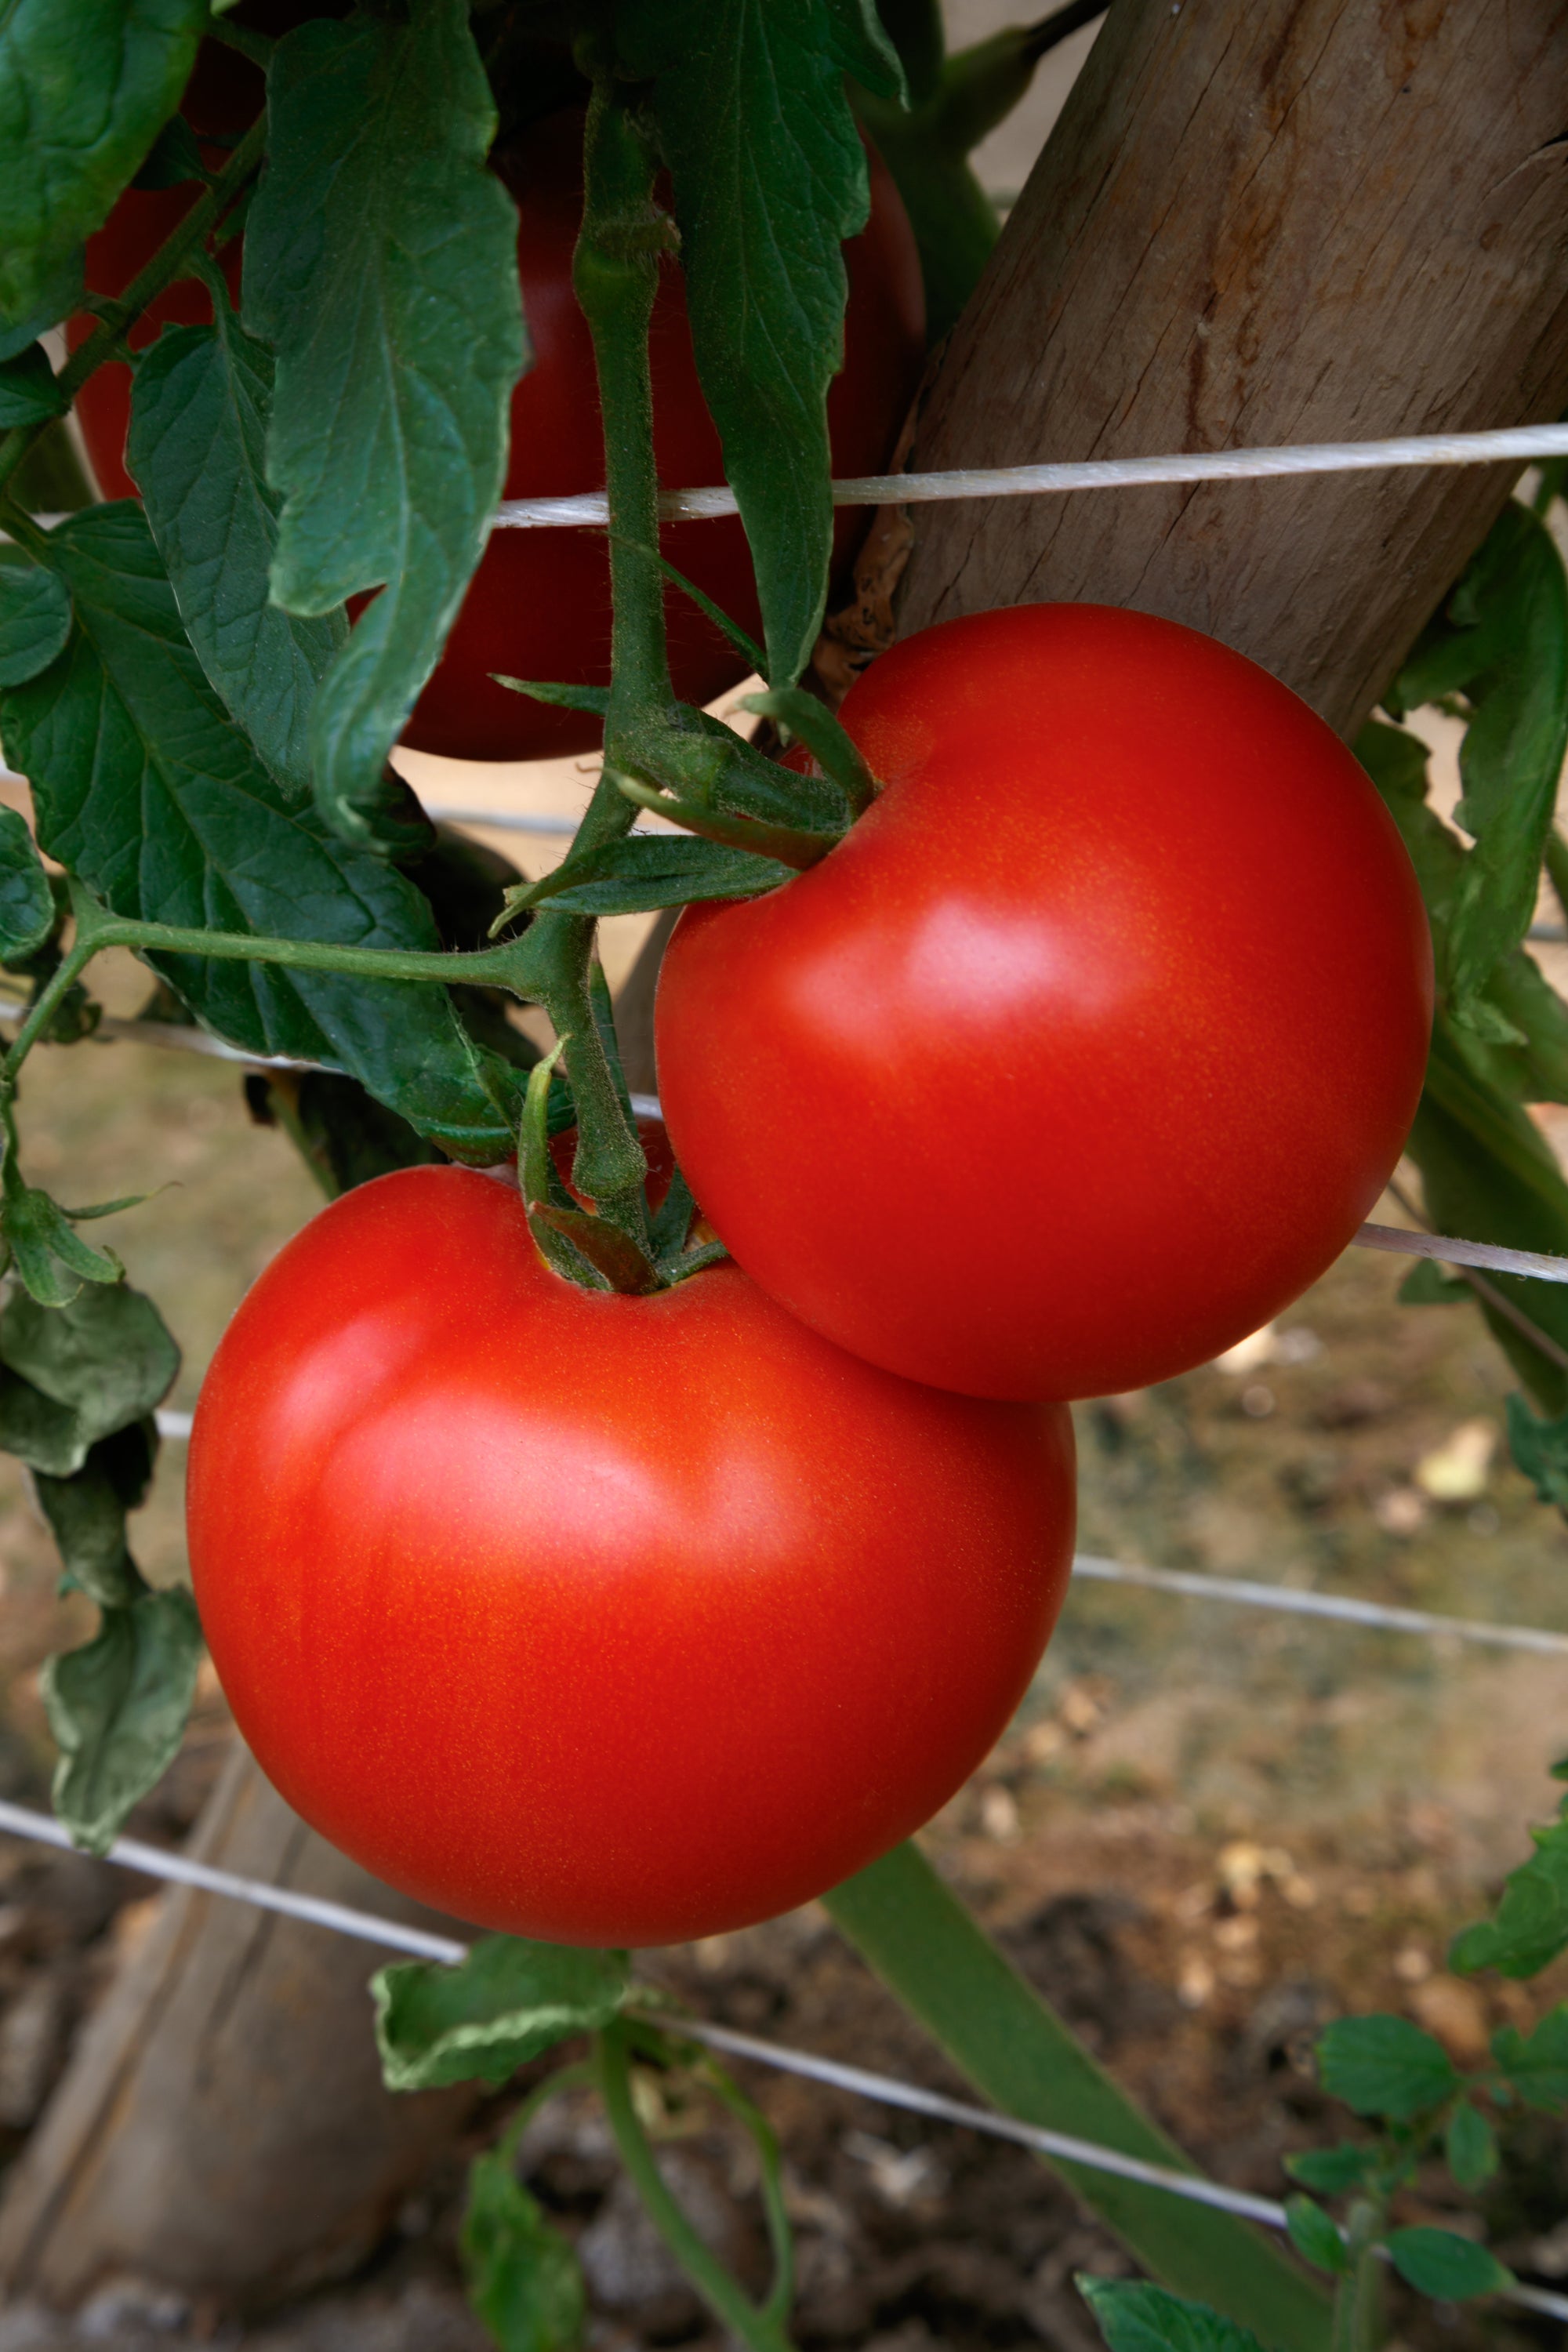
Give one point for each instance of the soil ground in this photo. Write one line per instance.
(1210, 1830)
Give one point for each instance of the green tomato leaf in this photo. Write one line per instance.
(1385, 2066)
(117, 1708)
(1427, 1283)
(1539, 1448)
(1136, 2317)
(87, 1513)
(1315, 2236)
(35, 617)
(28, 392)
(27, 901)
(78, 1373)
(199, 410)
(1331, 2170)
(1502, 640)
(523, 2278)
(769, 177)
(1449, 2268)
(173, 159)
(1537, 2066)
(381, 263)
(1530, 1926)
(1470, 2147)
(863, 48)
(1515, 1033)
(510, 1999)
(84, 91)
(642, 871)
(1488, 1173)
(144, 787)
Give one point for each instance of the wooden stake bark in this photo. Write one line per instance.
(1268, 221)
(222, 2125)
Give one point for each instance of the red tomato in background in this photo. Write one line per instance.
(538, 605)
(610, 1621)
(1092, 1044)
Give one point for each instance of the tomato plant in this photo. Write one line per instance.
(1093, 1042)
(608, 1620)
(539, 606)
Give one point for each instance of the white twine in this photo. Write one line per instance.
(1520, 443)
(397, 1936)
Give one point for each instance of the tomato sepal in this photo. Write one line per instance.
(786, 844)
(595, 700)
(828, 742)
(641, 873)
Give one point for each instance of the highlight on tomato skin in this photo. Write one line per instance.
(598, 1618)
(1115, 1006)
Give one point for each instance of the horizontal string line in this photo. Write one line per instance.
(886, 2090)
(1520, 443)
(1292, 1601)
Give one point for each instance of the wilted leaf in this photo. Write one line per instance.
(480, 2022)
(523, 2277)
(87, 1513)
(117, 1708)
(80, 1373)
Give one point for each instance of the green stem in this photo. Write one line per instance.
(762, 2330)
(66, 973)
(160, 271)
(578, 2076)
(1358, 2305)
(614, 273)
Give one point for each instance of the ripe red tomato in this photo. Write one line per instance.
(605, 1620)
(1092, 1044)
(538, 605)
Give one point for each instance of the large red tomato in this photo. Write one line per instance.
(1091, 1044)
(539, 606)
(598, 1618)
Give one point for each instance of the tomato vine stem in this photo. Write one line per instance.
(614, 273)
(764, 2329)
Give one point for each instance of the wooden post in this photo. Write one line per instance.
(1257, 222)
(222, 2125)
